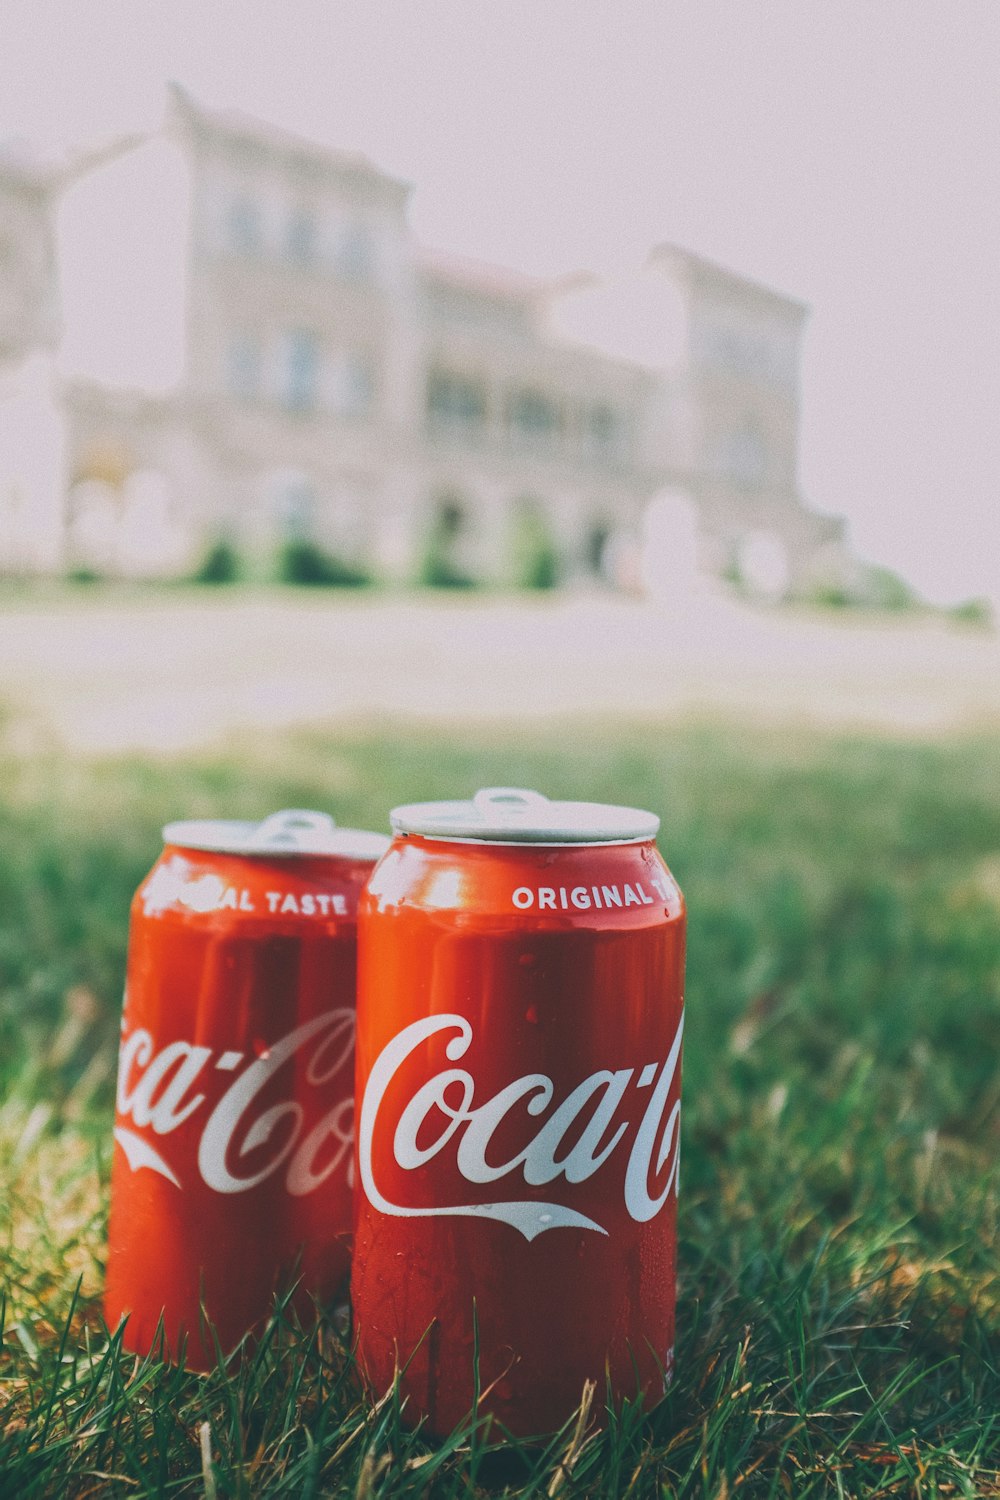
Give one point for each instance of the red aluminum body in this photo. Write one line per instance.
(518, 1077)
(232, 1163)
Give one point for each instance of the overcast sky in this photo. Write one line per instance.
(843, 151)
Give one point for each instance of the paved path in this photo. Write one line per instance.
(174, 670)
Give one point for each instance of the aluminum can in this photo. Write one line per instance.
(520, 1012)
(232, 1171)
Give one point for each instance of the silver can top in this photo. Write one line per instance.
(512, 815)
(294, 831)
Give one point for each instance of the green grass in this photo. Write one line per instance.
(839, 1301)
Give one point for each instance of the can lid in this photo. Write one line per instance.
(512, 815)
(293, 831)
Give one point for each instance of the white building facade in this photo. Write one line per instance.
(32, 427)
(254, 350)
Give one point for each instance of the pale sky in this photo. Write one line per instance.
(843, 151)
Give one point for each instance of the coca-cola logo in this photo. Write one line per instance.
(559, 1149)
(246, 1138)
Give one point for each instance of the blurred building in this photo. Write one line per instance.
(31, 422)
(255, 350)
(720, 422)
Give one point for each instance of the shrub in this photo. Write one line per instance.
(832, 596)
(878, 588)
(541, 570)
(438, 573)
(732, 574)
(221, 564)
(977, 612)
(884, 589)
(304, 563)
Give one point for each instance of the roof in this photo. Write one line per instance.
(705, 270)
(464, 274)
(246, 129)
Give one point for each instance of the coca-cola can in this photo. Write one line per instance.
(233, 1172)
(520, 1012)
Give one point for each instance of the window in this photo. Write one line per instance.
(357, 385)
(455, 400)
(602, 427)
(290, 504)
(768, 356)
(297, 508)
(302, 238)
(243, 366)
(356, 256)
(533, 416)
(243, 229)
(741, 455)
(301, 370)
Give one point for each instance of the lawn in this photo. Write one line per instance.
(839, 1300)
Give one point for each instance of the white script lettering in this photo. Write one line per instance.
(451, 1094)
(156, 1090)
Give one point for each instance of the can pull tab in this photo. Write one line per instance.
(293, 828)
(507, 803)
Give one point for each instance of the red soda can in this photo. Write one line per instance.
(520, 1011)
(233, 1171)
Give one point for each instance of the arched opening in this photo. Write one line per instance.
(122, 521)
(670, 546)
(95, 506)
(595, 546)
(443, 561)
(151, 543)
(93, 513)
